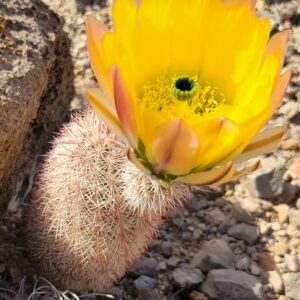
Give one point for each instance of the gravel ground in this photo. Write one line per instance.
(241, 241)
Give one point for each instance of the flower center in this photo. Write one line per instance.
(184, 88)
(180, 96)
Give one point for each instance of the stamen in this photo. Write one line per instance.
(197, 97)
(184, 88)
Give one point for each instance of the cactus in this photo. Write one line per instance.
(91, 212)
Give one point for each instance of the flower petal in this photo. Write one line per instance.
(97, 100)
(247, 168)
(207, 177)
(124, 107)
(95, 31)
(277, 45)
(251, 2)
(280, 88)
(173, 148)
(264, 142)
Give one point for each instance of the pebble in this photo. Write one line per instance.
(232, 285)
(243, 263)
(214, 254)
(282, 212)
(279, 248)
(240, 214)
(145, 266)
(294, 168)
(148, 294)
(294, 217)
(255, 270)
(186, 277)
(276, 281)
(292, 263)
(290, 144)
(245, 232)
(144, 282)
(216, 216)
(174, 261)
(267, 182)
(292, 285)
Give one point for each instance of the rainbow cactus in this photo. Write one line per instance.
(92, 212)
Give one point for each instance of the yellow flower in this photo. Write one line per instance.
(189, 84)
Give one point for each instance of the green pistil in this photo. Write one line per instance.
(184, 88)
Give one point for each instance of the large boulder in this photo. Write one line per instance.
(36, 85)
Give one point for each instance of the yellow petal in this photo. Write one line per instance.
(95, 31)
(252, 3)
(264, 142)
(125, 109)
(280, 88)
(207, 177)
(98, 101)
(277, 46)
(173, 149)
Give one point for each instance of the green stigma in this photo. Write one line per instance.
(184, 88)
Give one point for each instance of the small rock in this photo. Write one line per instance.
(266, 261)
(283, 212)
(186, 277)
(174, 261)
(291, 263)
(214, 254)
(232, 285)
(243, 263)
(245, 232)
(276, 281)
(264, 227)
(240, 214)
(294, 168)
(289, 193)
(144, 282)
(145, 266)
(294, 216)
(162, 265)
(216, 216)
(148, 294)
(292, 285)
(167, 249)
(255, 270)
(279, 248)
(267, 182)
(298, 203)
(290, 144)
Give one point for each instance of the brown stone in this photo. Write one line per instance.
(36, 85)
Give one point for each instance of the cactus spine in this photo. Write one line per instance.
(91, 213)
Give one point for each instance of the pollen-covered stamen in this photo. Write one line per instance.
(159, 95)
(184, 88)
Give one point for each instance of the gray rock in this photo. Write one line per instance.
(292, 285)
(216, 216)
(144, 282)
(148, 294)
(232, 285)
(276, 281)
(245, 232)
(36, 84)
(240, 214)
(267, 182)
(243, 263)
(186, 277)
(294, 217)
(214, 254)
(145, 266)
